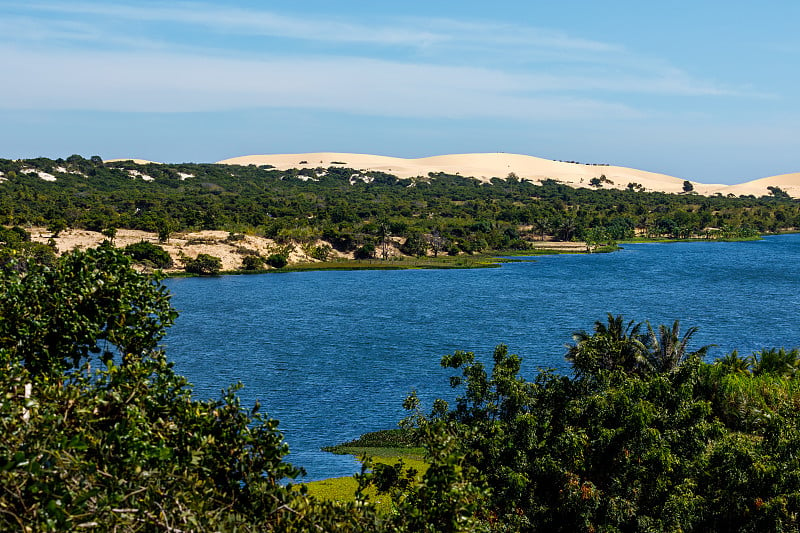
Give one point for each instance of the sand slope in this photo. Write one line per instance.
(480, 166)
(790, 183)
(499, 165)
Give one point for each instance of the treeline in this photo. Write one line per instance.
(363, 210)
(101, 434)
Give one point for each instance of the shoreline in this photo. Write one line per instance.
(231, 248)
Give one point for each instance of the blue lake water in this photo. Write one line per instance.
(333, 354)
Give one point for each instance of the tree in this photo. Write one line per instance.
(148, 254)
(384, 237)
(626, 451)
(566, 229)
(779, 362)
(687, 186)
(204, 265)
(414, 244)
(594, 237)
(124, 446)
(55, 227)
(277, 260)
(614, 345)
(18, 252)
(252, 262)
(436, 242)
(164, 227)
(117, 311)
(667, 350)
(365, 251)
(110, 233)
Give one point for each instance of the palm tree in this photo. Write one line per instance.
(733, 364)
(566, 229)
(614, 345)
(777, 362)
(667, 349)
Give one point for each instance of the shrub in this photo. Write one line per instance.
(366, 251)
(277, 260)
(148, 254)
(321, 252)
(252, 262)
(204, 265)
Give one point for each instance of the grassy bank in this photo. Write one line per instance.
(385, 447)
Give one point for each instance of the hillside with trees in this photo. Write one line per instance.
(365, 214)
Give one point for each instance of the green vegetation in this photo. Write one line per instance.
(385, 447)
(120, 443)
(277, 260)
(100, 433)
(203, 265)
(396, 439)
(367, 213)
(148, 254)
(644, 437)
(16, 246)
(252, 263)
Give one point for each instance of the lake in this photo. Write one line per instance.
(333, 354)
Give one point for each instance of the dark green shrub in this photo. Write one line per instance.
(367, 251)
(148, 254)
(204, 265)
(277, 260)
(252, 262)
(414, 244)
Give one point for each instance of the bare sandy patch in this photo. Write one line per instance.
(217, 243)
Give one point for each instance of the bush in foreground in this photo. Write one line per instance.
(121, 444)
(644, 437)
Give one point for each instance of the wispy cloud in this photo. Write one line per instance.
(249, 22)
(173, 82)
(92, 56)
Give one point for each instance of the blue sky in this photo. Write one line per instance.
(706, 91)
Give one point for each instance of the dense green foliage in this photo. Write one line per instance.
(277, 260)
(252, 262)
(149, 254)
(203, 264)
(387, 438)
(645, 437)
(16, 247)
(121, 444)
(363, 211)
(99, 432)
(90, 303)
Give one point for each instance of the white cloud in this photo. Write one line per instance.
(172, 82)
(250, 22)
(57, 63)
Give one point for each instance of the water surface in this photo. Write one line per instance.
(333, 354)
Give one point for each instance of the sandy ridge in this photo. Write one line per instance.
(500, 165)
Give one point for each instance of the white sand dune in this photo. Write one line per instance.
(500, 165)
(480, 166)
(790, 183)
